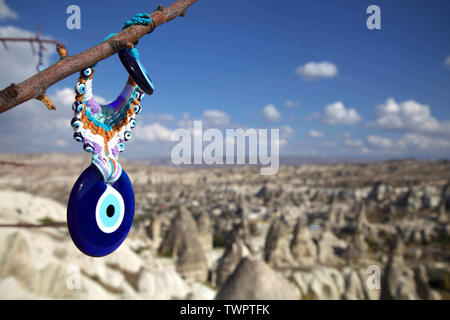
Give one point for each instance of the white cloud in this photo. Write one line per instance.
(153, 132)
(286, 132)
(66, 97)
(336, 114)
(271, 113)
(409, 116)
(185, 121)
(447, 62)
(315, 134)
(210, 119)
(348, 141)
(353, 142)
(291, 103)
(31, 127)
(379, 142)
(410, 144)
(423, 142)
(317, 70)
(216, 118)
(161, 117)
(6, 12)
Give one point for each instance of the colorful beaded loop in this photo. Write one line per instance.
(102, 127)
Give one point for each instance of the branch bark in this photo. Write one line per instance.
(36, 86)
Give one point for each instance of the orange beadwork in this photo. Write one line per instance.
(96, 130)
(107, 136)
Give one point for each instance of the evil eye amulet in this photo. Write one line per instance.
(99, 215)
(80, 88)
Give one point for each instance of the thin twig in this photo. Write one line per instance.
(61, 49)
(46, 100)
(35, 86)
(31, 225)
(28, 40)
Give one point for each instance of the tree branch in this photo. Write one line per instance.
(36, 86)
(31, 225)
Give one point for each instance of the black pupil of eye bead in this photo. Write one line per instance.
(110, 210)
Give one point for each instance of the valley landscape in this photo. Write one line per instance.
(377, 230)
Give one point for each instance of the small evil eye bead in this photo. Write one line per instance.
(78, 137)
(77, 107)
(127, 135)
(132, 123)
(121, 146)
(76, 123)
(138, 95)
(88, 147)
(87, 72)
(137, 108)
(80, 88)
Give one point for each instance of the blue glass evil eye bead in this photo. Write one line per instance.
(99, 215)
(88, 147)
(137, 108)
(139, 96)
(80, 88)
(78, 137)
(87, 72)
(77, 107)
(76, 123)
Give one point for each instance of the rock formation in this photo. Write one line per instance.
(302, 246)
(181, 242)
(320, 283)
(253, 279)
(234, 252)
(398, 280)
(276, 250)
(205, 232)
(154, 228)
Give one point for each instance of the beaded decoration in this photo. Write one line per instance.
(103, 129)
(101, 204)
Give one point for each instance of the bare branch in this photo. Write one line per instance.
(35, 86)
(28, 40)
(31, 225)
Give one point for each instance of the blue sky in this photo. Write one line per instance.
(353, 92)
